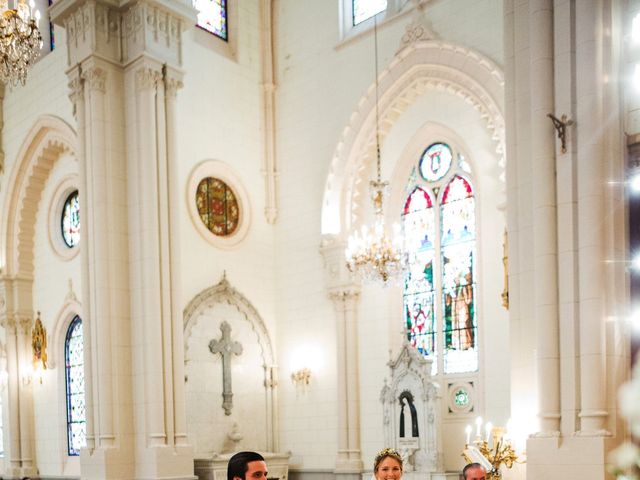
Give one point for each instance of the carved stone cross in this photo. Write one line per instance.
(226, 347)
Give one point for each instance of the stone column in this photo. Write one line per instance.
(545, 251)
(16, 316)
(172, 83)
(591, 183)
(345, 301)
(76, 95)
(345, 297)
(124, 75)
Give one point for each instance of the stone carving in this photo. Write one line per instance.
(226, 347)
(147, 78)
(410, 404)
(96, 79)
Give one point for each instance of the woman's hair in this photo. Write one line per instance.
(384, 453)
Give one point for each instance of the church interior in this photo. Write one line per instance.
(316, 229)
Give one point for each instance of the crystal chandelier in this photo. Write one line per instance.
(372, 255)
(20, 41)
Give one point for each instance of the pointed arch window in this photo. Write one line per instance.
(74, 376)
(440, 283)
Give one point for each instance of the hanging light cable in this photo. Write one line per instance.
(371, 255)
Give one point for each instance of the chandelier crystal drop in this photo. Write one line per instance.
(20, 40)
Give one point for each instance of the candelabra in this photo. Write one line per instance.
(490, 455)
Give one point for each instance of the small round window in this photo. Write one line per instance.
(70, 220)
(217, 206)
(435, 162)
(461, 397)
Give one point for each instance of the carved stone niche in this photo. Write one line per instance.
(411, 414)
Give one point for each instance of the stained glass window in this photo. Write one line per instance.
(212, 16)
(461, 397)
(440, 289)
(435, 162)
(217, 206)
(419, 230)
(364, 9)
(52, 38)
(70, 221)
(74, 376)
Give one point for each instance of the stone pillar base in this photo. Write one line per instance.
(561, 458)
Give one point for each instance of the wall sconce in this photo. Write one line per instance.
(304, 359)
(301, 378)
(39, 347)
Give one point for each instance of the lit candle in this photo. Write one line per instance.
(488, 428)
(478, 425)
(468, 432)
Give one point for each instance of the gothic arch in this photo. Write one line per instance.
(49, 138)
(420, 66)
(223, 292)
(65, 316)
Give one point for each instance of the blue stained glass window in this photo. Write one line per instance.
(364, 9)
(52, 38)
(212, 16)
(70, 221)
(440, 235)
(74, 376)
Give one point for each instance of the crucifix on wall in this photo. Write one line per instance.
(225, 347)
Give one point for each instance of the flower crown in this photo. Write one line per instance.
(387, 452)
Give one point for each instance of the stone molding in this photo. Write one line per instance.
(223, 292)
(48, 139)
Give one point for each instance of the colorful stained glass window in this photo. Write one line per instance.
(419, 229)
(458, 284)
(217, 206)
(440, 234)
(212, 16)
(461, 397)
(70, 221)
(74, 368)
(435, 162)
(364, 9)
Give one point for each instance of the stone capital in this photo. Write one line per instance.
(95, 79)
(172, 85)
(147, 78)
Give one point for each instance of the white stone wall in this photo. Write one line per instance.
(320, 80)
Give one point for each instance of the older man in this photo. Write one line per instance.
(474, 471)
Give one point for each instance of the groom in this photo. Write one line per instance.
(247, 466)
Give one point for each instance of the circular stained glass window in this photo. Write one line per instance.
(70, 221)
(217, 206)
(461, 397)
(435, 162)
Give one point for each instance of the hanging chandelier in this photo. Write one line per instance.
(371, 254)
(20, 40)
